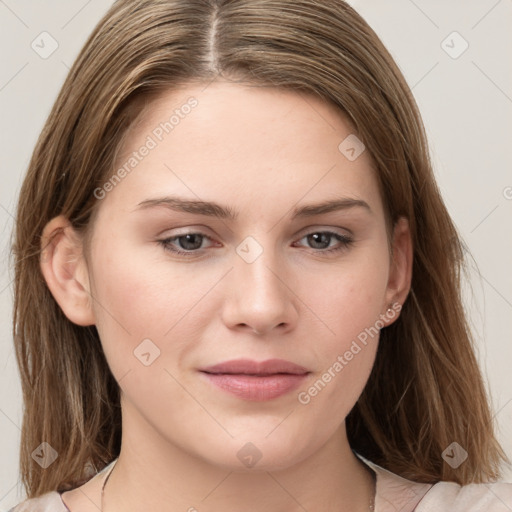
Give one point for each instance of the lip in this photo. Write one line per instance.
(256, 381)
(251, 367)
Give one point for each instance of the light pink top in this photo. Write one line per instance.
(394, 494)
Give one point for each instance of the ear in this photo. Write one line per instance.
(400, 271)
(65, 270)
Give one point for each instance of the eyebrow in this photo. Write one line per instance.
(212, 209)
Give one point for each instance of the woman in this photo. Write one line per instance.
(310, 350)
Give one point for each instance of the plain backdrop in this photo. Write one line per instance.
(456, 58)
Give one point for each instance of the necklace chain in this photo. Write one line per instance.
(104, 484)
(372, 498)
(374, 490)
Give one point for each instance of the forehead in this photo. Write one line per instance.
(241, 141)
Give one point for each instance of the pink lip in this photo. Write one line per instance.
(256, 381)
(250, 367)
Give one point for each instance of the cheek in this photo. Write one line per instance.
(344, 309)
(137, 298)
(345, 350)
(347, 298)
(128, 303)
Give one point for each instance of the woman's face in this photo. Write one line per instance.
(265, 273)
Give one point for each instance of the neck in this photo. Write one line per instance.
(152, 473)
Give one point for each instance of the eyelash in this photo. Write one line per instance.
(345, 241)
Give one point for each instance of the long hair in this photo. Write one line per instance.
(425, 390)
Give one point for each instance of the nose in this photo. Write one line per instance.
(260, 295)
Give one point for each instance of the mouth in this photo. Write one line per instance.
(251, 374)
(256, 388)
(253, 381)
(256, 368)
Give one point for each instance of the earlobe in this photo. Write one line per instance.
(400, 272)
(65, 271)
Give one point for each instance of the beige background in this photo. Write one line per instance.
(466, 102)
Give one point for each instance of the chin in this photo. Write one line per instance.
(259, 453)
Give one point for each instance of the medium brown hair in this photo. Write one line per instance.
(425, 390)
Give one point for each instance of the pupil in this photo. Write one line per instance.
(316, 236)
(187, 243)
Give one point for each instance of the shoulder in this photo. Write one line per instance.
(54, 502)
(397, 493)
(492, 497)
(49, 502)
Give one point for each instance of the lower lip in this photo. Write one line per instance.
(256, 388)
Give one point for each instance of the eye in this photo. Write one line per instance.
(322, 240)
(189, 243)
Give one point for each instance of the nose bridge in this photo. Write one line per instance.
(260, 297)
(257, 264)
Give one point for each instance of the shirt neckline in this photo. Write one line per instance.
(394, 492)
(103, 472)
(391, 490)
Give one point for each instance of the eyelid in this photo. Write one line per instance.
(345, 240)
(192, 230)
(199, 233)
(337, 230)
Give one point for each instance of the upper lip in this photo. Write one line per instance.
(251, 367)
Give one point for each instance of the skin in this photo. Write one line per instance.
(260, 152)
